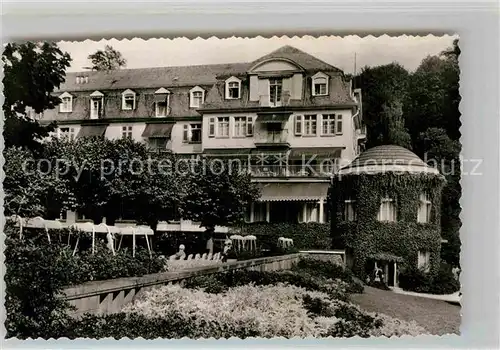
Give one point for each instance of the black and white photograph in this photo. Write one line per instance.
(250, 187)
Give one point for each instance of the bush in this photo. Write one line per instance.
(416, 280)
(32, 264)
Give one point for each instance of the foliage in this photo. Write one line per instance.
(383, 88)
(430, 113)
(417, 280)
(105, 177)
(32, 264)
(219, 197)
(370, 236)
(32, 71)
(305, 236)
(29, 192)
(107, 59)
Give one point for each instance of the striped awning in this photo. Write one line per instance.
(92, 130)
(271, 192)
(161, 97)
(321, 152)
(158, 130)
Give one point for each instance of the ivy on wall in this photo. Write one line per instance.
(366, 236)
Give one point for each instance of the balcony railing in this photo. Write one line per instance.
(291, 171)
(272, 137)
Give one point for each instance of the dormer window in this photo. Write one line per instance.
(66, 105)
(128, 100)
(233, 88)
(320, 84)
(162, 100)
(197, 97)
(96, 105)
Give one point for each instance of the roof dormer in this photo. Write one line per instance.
(233, 88)
(128, 100)
(320, 84)
(196, 97)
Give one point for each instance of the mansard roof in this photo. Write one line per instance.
(203, 75)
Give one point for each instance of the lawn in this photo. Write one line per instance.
(436, 316)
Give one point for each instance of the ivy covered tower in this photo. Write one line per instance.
(386, 213)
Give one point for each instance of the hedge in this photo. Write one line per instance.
(305, 235)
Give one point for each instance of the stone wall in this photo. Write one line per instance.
(109, 296)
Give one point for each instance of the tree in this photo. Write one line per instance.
(32, 72)
(217, 194)
(393, 126)
(107, 59)
(382, 87)
(114, 179)
(433, 119)
(29, 188)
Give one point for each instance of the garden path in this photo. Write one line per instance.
(437, 316)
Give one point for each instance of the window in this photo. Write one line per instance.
(127, 132)
(195, 132)
(211, 127)
(95, 108)
(66, 105)
(320, 84)
(349, 210)
(387, 211)
(310, 125)
(128, 100)
(275, 88)
(310, 212)
(424, 209)
(233, 88)
(339, 124)
(162, 100)
(158, 143)
(298, 125)
(161, 108)
(328, 124)
(249, 126)
(240, 126)
(192, 133)
(223, 126)
(67, 132)
(197, 97)
(424, 260)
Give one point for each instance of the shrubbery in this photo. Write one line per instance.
(416, 280)
(37, 272)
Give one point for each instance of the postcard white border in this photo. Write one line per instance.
(475, 22)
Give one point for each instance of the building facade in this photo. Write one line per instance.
(290, 117)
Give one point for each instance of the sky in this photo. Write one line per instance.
(337, 51)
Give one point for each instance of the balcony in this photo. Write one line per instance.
(290, 171)
(271, 138)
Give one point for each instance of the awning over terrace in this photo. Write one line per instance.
(320, 152)
(293, 191)
(158, 130)
(226, 152)
(92, 130)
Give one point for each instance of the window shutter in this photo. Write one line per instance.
(298, 125)
(338, 128)
(249, 126)
(319, 124)
(211, 127)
